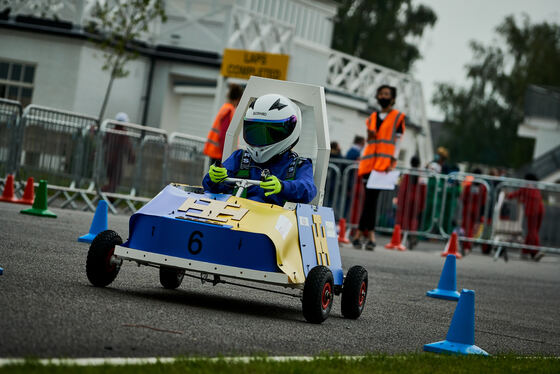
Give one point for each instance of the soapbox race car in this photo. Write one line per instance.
(224, 237)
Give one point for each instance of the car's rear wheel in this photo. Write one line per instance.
(318, 294)
(354, 292)
(170, 278)
(101, 268)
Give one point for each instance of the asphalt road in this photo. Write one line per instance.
(49, 309)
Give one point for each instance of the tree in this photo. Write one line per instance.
(382, 31)
(483, 117)
(119, 23)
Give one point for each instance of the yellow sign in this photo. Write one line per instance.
(242, 64)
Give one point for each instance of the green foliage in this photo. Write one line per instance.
(484, 116)
(120, 23)
(409, 363)
(382, 31)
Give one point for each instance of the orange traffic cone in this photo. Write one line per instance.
(396, 240)
(8, 194)
(451, 247)
(28, 193)
(342, 231)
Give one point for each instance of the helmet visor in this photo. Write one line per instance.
(259, 133)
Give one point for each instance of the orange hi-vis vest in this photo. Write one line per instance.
(380, 149)
(213, 148)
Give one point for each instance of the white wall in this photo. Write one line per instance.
(545, 131)
(308, 63)
(344, 124)
(68, 74)
(56, 58)
(126, 94)
(172, 104)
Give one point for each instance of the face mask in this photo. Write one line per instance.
(384, 102)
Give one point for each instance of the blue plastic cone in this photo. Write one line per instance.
(447, 286)
(460, 337)
(98, 224)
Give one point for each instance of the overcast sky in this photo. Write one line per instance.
(445, 47)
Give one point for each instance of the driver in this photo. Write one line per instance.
(271, 128)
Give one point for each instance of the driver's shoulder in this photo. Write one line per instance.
(300, 160)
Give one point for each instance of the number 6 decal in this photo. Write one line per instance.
(195, 245)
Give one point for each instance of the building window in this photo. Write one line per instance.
(16, 81)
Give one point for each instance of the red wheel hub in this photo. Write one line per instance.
(362, 296)
(326, 296)
(108, 265)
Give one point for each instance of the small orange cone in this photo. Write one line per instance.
(28, 193)
(451, 247)
(342, 231)
(8, 194)
(396, 240)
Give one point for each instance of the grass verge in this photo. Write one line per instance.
(410, 363)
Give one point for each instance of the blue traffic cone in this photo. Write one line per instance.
(460, 336)
(447, 286)
(98, 224)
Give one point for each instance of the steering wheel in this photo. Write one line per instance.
(242, 184)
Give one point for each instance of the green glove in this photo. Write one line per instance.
(272, 184)
(217, 174)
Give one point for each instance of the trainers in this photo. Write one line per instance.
(357, 243)
(412, 242)
(538, 256)
(370, 245)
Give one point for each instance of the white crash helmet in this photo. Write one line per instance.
(272, 125)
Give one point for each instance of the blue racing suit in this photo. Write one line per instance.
(299, 190)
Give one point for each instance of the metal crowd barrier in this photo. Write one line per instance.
(118, 162)
(525, 215)
(339, 185)
(186, 162)
(10, 115)
(351, 191)
(332, 186)
(130, 163)
(126, 164)
(53, 145)
(507, 213)
(493, 212)
(469, 200)
(413, 204)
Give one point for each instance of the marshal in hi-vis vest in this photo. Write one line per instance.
(212, 148)
(380, 149)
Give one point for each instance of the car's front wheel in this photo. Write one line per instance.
(101, 268)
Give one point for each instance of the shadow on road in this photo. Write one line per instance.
(222, 303)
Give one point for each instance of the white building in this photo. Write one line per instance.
(542, 123)
(173, 83)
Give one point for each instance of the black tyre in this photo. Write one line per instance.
(100, 270)
(354, 292)
(318, 294)
(170, 278)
